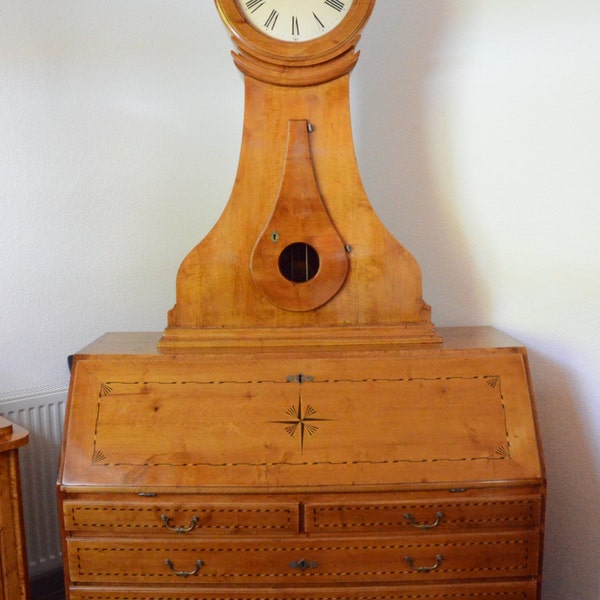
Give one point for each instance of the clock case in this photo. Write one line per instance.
(297, 182)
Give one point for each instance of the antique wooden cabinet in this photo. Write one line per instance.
(301, 430)
(389, 474)
(14, 583)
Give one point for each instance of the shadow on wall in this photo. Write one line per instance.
(391, 88)
(572, 524)
(390, 112)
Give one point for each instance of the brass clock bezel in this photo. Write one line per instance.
(326, 47)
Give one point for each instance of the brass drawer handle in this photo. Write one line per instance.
(438, 519)
(304, 564)
(411, 563)
(167, 522)
(185, 574)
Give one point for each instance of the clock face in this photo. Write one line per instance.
(295, 20)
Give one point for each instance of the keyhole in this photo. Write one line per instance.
(299, 262)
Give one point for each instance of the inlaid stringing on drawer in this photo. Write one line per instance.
(525, 590)
(461, 514)
(193, 518)
(274, 561)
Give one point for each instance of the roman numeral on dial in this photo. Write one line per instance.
(336, 4)
(295, 20)
(253, 5)
(272, 20)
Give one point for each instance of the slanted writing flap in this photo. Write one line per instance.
(214, 422)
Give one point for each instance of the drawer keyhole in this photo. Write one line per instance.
(304, 564)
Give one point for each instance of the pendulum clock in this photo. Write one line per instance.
(300, 429)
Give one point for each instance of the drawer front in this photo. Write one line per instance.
(487, 591)
(445, 515)
(181, 518)
(268, 561)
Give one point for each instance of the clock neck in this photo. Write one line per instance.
(268, 111)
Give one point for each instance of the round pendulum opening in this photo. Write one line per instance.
(299, 262)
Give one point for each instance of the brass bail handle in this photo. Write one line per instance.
(438, 518)
(411, 563)
(184, 574)
(167, 522)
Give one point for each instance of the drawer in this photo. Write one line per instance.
(440, 515)
(488, 591)
(351, 559)
(189, 518)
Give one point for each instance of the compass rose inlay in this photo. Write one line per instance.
(302, 417)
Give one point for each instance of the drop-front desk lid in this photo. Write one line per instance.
(258, 421)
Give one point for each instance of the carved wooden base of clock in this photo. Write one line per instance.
(237, 285)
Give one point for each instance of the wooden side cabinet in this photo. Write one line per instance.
(13, 564)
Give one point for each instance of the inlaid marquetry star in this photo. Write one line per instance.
(303, 420)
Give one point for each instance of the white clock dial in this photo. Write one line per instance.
(295, 20)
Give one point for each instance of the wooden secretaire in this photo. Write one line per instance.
(385, 474)
(301, 430)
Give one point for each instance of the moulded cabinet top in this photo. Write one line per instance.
(11, 435)
(455, 338)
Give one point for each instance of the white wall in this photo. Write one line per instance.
(478, 135)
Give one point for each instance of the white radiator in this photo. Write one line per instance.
(41, 411)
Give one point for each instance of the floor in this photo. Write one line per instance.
(48, 587)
